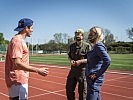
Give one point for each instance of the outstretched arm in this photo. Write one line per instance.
(20, 65)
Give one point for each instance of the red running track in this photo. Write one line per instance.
(117, 86)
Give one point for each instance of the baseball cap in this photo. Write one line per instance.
(23, 23)
(79, 31)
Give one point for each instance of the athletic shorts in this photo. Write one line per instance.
(19, 90)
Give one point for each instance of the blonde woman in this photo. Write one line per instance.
(98, 61)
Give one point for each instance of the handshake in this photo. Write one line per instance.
(78, 62)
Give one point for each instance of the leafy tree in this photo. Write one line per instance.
(1, 38)
(51, 41)
(130, 33)
(61, 37)
(65, 38)
(58, 37)
(70, 40)
(6, 42)
(3, 42)
(86, 36)
(109, 37)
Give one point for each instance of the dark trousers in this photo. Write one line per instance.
(71, 85)
(15, 98)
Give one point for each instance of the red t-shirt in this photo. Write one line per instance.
(17, 48)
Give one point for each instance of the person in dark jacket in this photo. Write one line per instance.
(77, 55)
(98, 60)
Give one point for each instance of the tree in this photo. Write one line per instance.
(130, 33)
(109, 37)
(65, 38)
(3, 43)
(58, 37)
(61, 37)
(86, 36)
(1, 38)
(70, 40)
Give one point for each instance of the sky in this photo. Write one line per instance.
(65, 16)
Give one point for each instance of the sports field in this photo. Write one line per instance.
(119, 61)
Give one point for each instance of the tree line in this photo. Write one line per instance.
(61, 42)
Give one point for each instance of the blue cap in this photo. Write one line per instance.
(23, 23)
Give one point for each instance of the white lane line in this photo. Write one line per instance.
(56, 66)
(58, 73)
(4, 94)
(54, 76)
(64, 84)
(42, 80)
(57, 77)
(121, 73)
(118, 86)
(118, 95)
(115, 79)
(49, 92)
(130, 82)
(47, 81)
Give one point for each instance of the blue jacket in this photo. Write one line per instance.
(98, 62)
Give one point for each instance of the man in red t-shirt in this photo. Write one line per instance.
(17, 62)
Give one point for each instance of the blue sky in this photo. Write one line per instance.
(65, 16)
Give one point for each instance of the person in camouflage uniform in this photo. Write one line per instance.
(77, 55)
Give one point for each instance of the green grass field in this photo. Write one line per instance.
(122, 61)
(119, 61)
